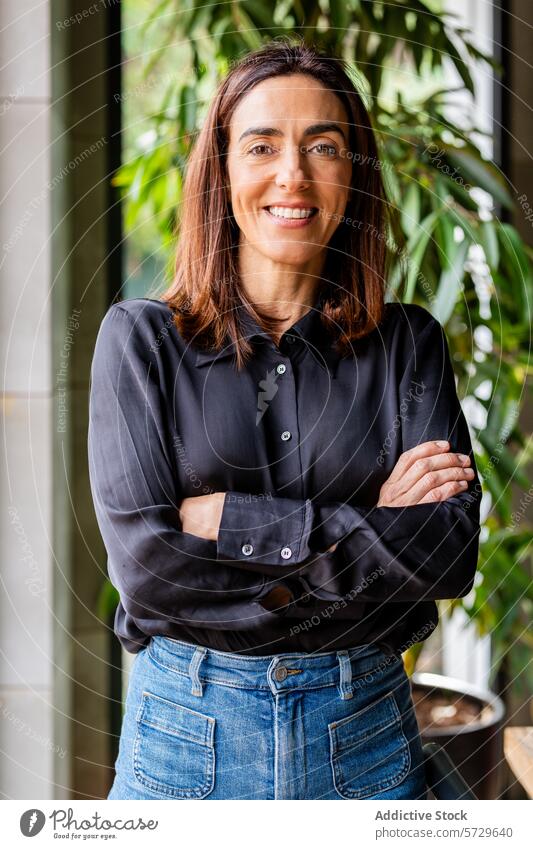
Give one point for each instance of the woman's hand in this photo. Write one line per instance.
(201, 514)
(427, 472)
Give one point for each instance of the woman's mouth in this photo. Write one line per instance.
(290, 216)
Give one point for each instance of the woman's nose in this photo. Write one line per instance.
(292, 171)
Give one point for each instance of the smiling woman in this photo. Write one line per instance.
(285, 177)
(278, 532)
(241, 240)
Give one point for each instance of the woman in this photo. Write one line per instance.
(281, 470)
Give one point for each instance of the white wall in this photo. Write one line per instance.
(27, 744)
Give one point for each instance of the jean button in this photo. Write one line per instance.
(280, 673)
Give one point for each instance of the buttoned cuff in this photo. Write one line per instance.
(264, 530)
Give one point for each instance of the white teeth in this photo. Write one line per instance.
(287, 212)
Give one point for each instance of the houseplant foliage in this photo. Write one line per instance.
(453, 253)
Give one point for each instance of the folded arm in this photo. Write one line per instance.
(159, 571)
(423, 551)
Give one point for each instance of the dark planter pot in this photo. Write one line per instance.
(476, 748)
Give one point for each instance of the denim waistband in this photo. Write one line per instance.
(344, 669)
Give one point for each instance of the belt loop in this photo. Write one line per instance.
(199, 654)
(345, 687)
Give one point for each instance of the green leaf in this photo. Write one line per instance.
(478, 172)
(462, 196)
(154, 15)
(517, 262)
(410, 214)
(450, 283)
(500, 498)
(503, 463)
(188, 103)
(415, 249)
(107, 601)
(260, 13)
(246, 27)
(488, 240)
(515, 249)
(339, 15)
(460, 65)
(444, 234)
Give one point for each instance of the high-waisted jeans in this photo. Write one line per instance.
(205, 724)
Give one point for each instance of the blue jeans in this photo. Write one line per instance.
(205, 724)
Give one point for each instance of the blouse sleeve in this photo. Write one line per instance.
(420, 552)
(159, 571)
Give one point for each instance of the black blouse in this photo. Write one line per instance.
(300, 441)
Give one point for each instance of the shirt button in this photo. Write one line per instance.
(247, 548)
(305, 599)
(290, 339)
(281, 369)
(286, 552)
(280, 673)
(286, 435)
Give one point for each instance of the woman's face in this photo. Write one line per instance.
(288, 148)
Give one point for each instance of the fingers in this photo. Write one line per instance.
(417, 495)
(434, 471)
(407, 458)
(441, 493)
(444, 482)
(427, 472)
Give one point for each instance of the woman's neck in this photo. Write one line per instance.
(279, 289)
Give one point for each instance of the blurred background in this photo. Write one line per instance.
(99, 104)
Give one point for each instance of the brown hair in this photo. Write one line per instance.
(206, 287)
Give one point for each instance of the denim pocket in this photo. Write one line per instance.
(369, 750)
(174, 752)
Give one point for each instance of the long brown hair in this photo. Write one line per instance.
(206, 287)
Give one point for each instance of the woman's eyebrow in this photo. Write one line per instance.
(313, 130)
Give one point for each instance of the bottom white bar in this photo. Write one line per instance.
(238, 824)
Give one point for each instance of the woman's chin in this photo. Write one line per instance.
(296, 255)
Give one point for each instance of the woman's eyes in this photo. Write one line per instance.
(330, 148)
(256, 147)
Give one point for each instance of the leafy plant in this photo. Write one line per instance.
(453, 253)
